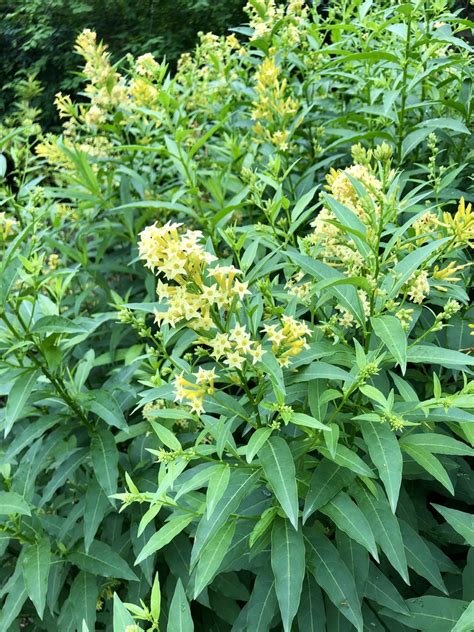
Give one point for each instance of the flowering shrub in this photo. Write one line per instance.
(235, 334)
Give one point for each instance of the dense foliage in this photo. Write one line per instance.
(37, 37)
(236, 354)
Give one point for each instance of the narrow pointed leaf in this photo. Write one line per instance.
(18, 397)
(212, 556)
(380, 589)
(390, 331)
(327, 480)
(104, 456)
(218, 482)
(311, 615)
(179, 617)
(262, 605)
(279, 469)
(419, 557)
(102, 560)
(164, 536)
(288, 565)
(460, 521)
(35, 566)
(430, 463)
(12, 503)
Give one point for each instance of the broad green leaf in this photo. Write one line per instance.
(35, 564)
(12, 503)
(104, 456)
(13, 604)
(102, 560)
(105, 406)
(306, 421)
(57, 324)
(430, 613)
(349, 459)
(465, 621)
(262, 605)
(279, 469)
(218, 482)
(380, 589)
(258, 438)
(166, 436)
(452, 124)
(240, 484)
(288, 565)
(355, 557)
(384, 525)
(322, 371)
(122, 617)
(437, 443)
(347, 516)
(17, 398)
(391, 333)
(164, 536)
(385, 453)
(430, 463)
(428, 354)
(327, 480)
(419, 557)
(179, 617)
(460, 521)
(325, 563)
(311, 615)
(84, 593)
(97, 505)
(212, 555)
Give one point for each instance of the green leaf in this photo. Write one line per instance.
(385, 453)
(13, 604)
(429, 354)
(311, 615)
(104, 455)
(17, 398)
(430, 613)
(241, 483)
(164, 536)
(57, 325)
(166, 436)
(102, 560)
(419, 557)
(306, 421)
(122, 616)
(391, 333)
(465, 621)
(155, 598)
(348, 458)
(179, 617)
(461, 522)
(83, 594)
(437, 443)
(279, 469)
(95, 509)
(258, 438)
(347, 516)
(35, 564)
(262, 605)
(105, 406)
(380, 589)
(451, 124)
(288, 565)
(12, 503)
(334, 577)
(430, 463)
(322, 371)
(384, 525)
(218, 482)
(327, 480)
(212, 555)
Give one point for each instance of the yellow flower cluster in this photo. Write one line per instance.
(274, 107)
(193, 393)
(236, 347)
(196, 290)
(336, 249)
(290, 16)
(287, 340)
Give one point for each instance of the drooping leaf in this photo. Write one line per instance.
(164, 536)
(104, 456)
(327, 480)
(347, 516)
(262, 605)
(385, 453)
(381, 590)
(419, 557)
(12, 503)
(333, 576)
(17, 398)
(97, 505)
(35, 564)
(84, 593)
(102, 560)
(212, 555)
(460, 521)
(218, 482)
(430, 463)
(311, 615)
(105, 406)
(288, 565)
(391, 333)
(279, 469)
(430, 613)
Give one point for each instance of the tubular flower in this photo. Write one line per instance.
(289, 340)
(460, 226)
(193, 393)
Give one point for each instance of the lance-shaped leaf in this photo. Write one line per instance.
(218, 482)
(83, 595)
(385, 453)
(380, 589)
(12, 503)
(212, 555)
(18, 397)
(104, 456)
(460, 521)
(390, 331)
(102, 560)
(430, 463)
(419, 557)
(333, 576)
(288, 565)
(347, 516)
(35, 564)
(164, 536)
(327, 480)
(311, 615)
(179, 616)
(279, 469)
(384, 525)
(97, 505)
(430, 613)
(122, 617)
